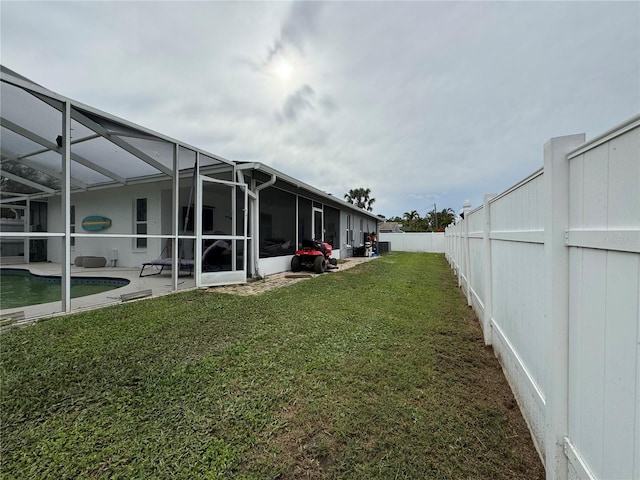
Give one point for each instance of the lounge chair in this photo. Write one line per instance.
(211, 259)
(165, 261)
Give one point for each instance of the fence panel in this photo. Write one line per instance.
(415, 241)
(477, 260)
(518, 276)
(556, 285)
(603, 240)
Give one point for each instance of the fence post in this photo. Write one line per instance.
(458, 252)
(488, 279)
(466, 208)
(556, 212)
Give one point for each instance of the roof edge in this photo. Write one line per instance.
(287, 178)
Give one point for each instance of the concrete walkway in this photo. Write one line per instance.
(283, 279)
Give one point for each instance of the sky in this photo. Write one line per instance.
(425, 103)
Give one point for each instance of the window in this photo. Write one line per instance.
(349, 231)
(72, 222)
(141, 222)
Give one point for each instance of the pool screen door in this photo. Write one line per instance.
(221, 241)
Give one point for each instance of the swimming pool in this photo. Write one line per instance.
(20, 288)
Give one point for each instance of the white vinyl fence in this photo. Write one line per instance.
(552, 269)
(414, 242)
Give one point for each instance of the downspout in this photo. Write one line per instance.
(256, 223)
(255, 228)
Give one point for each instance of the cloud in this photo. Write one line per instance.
(297, 103)
(299, 25)
(419, 101)
(304, 100)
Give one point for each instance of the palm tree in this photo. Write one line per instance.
(440, 220)
(360, 198)
(412, 215)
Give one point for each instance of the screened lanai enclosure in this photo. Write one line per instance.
(80, 186)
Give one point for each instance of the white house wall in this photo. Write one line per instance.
(360, 224)
(118, 204)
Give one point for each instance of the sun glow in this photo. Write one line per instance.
(283, 69)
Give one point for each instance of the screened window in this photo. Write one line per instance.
(277, 223)
(318, 229)
(141, 222)
(305, 219)
(349, 231)
(332, 226)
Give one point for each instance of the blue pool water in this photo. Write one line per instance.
(20, 288)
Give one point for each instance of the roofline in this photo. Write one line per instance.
(283, 176)
(13, 78)
(9, 76)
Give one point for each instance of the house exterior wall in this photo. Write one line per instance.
(361, 224)
(118, 204)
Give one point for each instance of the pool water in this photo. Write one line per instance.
(20, 288)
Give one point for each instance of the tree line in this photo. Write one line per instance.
(433, 221)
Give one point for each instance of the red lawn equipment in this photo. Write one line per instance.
(314, 255)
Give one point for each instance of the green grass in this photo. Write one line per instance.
(375, 372)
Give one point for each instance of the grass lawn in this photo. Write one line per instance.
(374, 372)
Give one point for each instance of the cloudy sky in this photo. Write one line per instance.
(422, 102)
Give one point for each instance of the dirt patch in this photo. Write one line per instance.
(284, 279)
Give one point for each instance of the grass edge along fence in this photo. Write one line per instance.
(552, 268)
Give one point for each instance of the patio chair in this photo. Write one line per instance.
(167, 262)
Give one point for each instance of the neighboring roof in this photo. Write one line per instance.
(390, 226)
(106, 150)
(297, 183)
